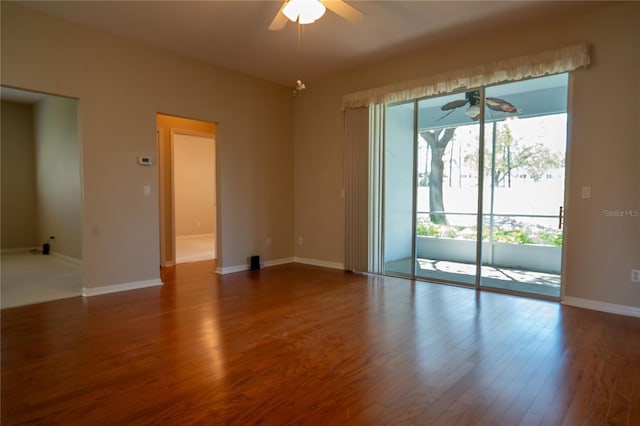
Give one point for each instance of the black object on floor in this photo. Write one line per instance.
(255, 263)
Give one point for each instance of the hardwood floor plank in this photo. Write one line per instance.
(619, 408)
(633, 415)
(295, 344)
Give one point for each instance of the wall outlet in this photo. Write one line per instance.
(300, 240)
(635, 275)
(269, 242)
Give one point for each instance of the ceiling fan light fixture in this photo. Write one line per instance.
(304, 11)
(473, 112)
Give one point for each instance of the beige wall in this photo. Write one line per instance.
(19, 212)
(603, 153)
(166, 124)
(121, 86)
(58, 172)
(194, 184)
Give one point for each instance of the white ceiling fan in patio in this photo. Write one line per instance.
(308, 11)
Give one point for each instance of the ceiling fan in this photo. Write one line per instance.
(473, 111)
(308, 11)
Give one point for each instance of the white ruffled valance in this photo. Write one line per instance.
(535, 65)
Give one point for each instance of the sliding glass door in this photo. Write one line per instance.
(447, 188)
(484, 164)
(524, 184)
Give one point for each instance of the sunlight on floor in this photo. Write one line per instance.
(513, 279)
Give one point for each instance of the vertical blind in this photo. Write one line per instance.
(356, 189)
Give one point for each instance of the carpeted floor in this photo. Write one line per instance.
(28, 278)
(195, 248)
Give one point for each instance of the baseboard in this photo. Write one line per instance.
(167, 264)
(186, 237)
(595, 305)
(195, 258)
(231, 269)
(19, 250)
(265, 264)
(274, 262)
(66, 258)
(69, 259)
(321, 263)
(96, 291)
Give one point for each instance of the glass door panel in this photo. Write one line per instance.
(398, 189)
(523, 191)
(447, 187)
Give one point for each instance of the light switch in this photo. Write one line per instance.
(586, 192)
(147, 190)
(145, 161)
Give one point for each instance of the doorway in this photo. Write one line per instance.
(187, 173)
(474, 187)
(194, 197)
(41, 198)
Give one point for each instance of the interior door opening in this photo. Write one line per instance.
(188, 206)
(42, 181)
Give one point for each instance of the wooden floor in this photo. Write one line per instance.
(296, 344)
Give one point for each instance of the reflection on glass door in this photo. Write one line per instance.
(523, 191)
(398, 192)
(447, 187)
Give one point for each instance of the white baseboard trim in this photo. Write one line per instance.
(231, 269)
(265, 264)
(106, 289)
(19, 250)
(195, 258)
(274, 262)
(321, 263)
(595, 305)
(66, 258)
(186, 237)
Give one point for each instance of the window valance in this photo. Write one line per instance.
(534, 65)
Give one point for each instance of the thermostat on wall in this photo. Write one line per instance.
(144, 161)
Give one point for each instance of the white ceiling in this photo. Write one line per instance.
(234, 34)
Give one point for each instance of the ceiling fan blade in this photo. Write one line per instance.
(454, 104)
(279, 21)
(498, 104)
(446, 115)
(348, 12)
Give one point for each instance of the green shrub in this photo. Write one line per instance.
(528, 235)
